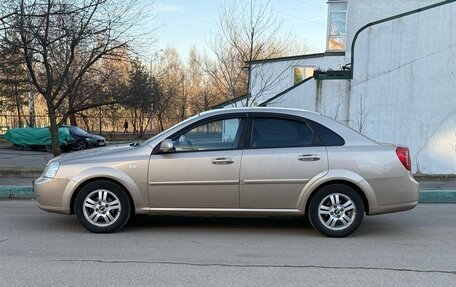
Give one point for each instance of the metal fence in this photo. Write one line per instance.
(110, 127)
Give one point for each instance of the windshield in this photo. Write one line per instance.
(78, 131)
(175, 126)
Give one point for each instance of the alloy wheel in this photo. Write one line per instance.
(81, 145)
(337, 211)
(102, 208)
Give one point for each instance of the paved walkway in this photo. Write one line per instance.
(16, 181)
(11, 158)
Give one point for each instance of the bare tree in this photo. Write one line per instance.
(139, 97)
(202, 93)
(249, 31)
(362, 114)
(166, 87)
(63, 42)
(13, 82)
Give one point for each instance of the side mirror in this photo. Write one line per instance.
(166, 145)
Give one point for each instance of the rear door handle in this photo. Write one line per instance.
(222, 160)
(308, 157)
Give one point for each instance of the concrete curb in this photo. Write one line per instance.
(438, 196)
(11, 191)
(426, 196)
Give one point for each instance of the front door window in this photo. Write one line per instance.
(215, 135)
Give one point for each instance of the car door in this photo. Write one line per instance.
(283, 155)
(203, 170)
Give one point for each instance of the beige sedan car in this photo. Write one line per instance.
(235, 162)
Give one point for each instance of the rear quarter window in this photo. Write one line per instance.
(328, 137)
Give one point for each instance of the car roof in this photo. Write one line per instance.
(259, 110)
(350, 136)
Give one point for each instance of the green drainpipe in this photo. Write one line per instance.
(352, 64)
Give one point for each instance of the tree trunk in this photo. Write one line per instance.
(19, 117)
(72, 116)
(135, 121)
(160, 121)
(141, 125)
(73, 121)
(54, 132)
(18, 106)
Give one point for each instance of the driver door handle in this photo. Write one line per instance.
(222, 160)
(308, 157)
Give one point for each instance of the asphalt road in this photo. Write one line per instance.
(413, 248)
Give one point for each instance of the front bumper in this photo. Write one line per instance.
(50, 194)
(96, 144)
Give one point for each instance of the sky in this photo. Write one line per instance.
(186, 23)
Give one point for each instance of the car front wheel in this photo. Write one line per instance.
(81, 145)
(336, 210)
(102, 207)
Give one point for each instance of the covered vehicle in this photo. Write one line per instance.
(38, 138)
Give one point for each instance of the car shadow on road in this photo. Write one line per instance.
(221, 225)
(375, 227)
(372, 227)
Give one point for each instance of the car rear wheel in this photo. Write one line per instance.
(81, 145)
(336, 210)
(102, 207)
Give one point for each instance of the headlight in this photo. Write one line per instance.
(51, 170)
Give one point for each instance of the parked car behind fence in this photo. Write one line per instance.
(70, 137)
(84, 140)
(38, 138)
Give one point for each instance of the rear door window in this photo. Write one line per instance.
(280, 133)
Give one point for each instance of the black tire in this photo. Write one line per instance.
(101, 226)
(81, 145)
(323, 197)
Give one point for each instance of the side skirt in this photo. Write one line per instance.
(225, 212)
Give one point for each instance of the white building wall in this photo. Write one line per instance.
(405, 73)
(270, 78)
(327, 97)
(302, 97)
(404, 85)
(362, 12)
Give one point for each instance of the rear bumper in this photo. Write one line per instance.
(395, 194)
(392, 208)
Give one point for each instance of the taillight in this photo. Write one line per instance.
(404, 156)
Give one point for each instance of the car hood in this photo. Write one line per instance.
(94, 153)
(95, 137)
